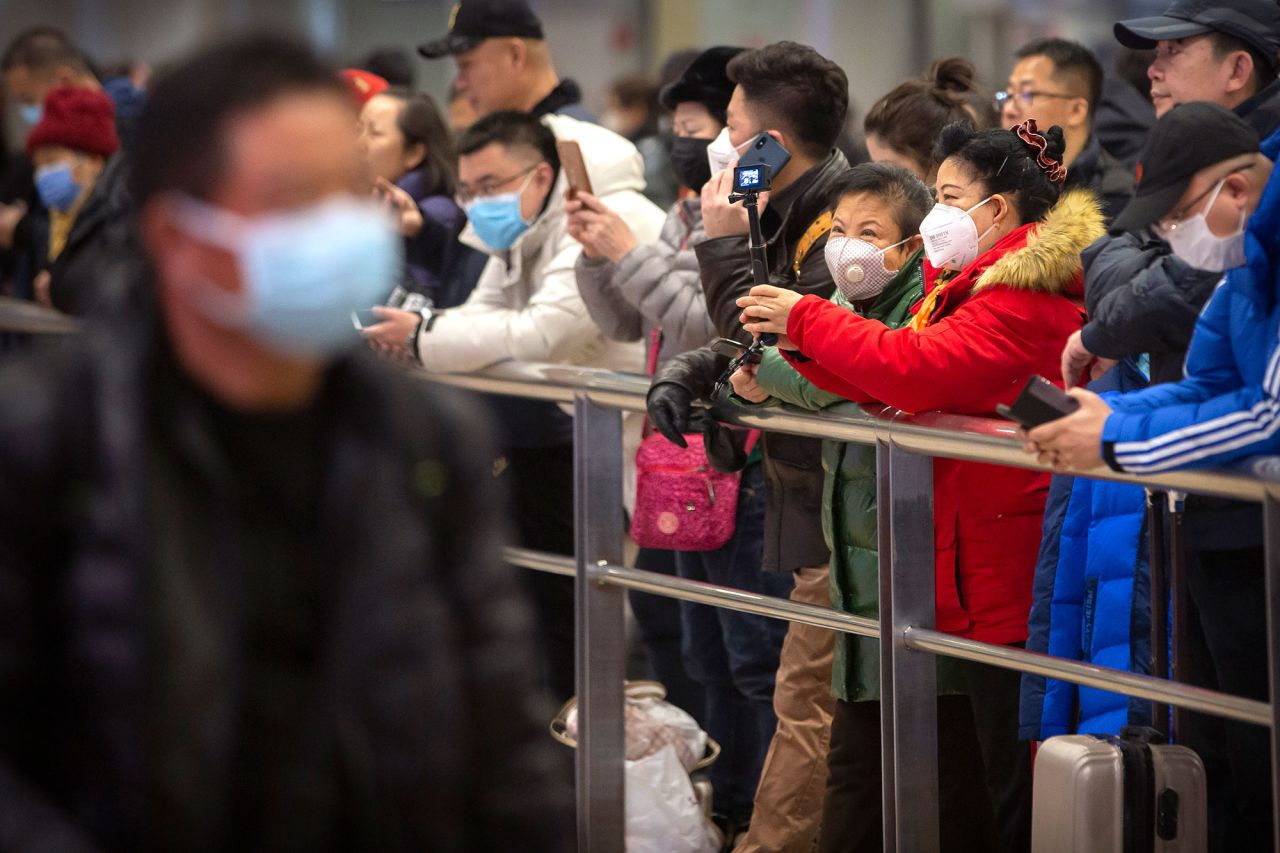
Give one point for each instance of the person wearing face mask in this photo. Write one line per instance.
(652, 293)
(799, 98)
(239, 549)
(1209, 191)
(1002, 287)
(876, 259)
(83, 213)
(527, 307)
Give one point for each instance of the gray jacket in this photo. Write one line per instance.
(657, 285)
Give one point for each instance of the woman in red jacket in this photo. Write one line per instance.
(1003, 286)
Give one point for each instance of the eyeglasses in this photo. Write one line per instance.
(1027, 96)
(1173, 219)
(467, 194)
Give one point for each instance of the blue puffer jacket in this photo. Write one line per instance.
(1090, 600)
(1228, 406)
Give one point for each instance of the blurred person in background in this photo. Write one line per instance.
(1125, 114)
(85, 212)
(653, 293)
(254, 592)
(633, 111)
(1002, 283)
(1059, 82)
(776, 697)
(414, 166)
(504, 62)
(527, 308)
(392, 64)
(902, 127)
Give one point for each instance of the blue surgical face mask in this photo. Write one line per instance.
(497, 218)
(56, 188)
(304, 271)
(32, 113)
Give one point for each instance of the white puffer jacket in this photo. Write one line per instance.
(526, 306)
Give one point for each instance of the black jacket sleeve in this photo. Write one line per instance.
(1140, 297)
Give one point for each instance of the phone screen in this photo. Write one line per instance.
(365, 318)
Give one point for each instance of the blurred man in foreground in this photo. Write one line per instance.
(252, 594)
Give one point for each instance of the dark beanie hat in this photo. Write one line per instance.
(704, 81)
(80, 119)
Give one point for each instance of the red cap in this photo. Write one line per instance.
(363, 85)
(80, 119)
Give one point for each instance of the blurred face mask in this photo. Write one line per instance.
(721, 153)
(304, 271)
(1192, 240)
(32, 113)
(857, 267)
(951, 236)
(497, 218)
(690, 162)
(56, 188)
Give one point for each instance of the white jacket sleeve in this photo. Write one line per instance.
(487, 329)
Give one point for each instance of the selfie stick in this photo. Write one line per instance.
(759, 256)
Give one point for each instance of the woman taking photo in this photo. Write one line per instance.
(1002, 284)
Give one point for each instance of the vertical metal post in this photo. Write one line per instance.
(1271, 521)
(1179, 605)
(599, 640)
(908, 686)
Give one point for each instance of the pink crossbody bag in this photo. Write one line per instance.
(682, 503)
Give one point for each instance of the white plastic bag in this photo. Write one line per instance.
(652, 723)
(663, 815)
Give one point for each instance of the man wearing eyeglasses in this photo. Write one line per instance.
(1060, 82)
(526, 307)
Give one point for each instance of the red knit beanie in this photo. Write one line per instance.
(364, 86)
(83, 120)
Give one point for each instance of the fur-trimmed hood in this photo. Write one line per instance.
(1049, 260)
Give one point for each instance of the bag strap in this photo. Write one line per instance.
(651, 370)
(817, 229)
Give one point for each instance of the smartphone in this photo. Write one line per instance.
(764, 150)
(1040, 402)
(728, 347)
(575, 168)
(364, 319)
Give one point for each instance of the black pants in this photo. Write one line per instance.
(1226, 649)
(984, 771)
(540, 484)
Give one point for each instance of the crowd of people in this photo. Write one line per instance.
(251, 583)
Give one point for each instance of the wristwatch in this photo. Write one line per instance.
(427, 317)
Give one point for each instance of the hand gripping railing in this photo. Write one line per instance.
(905, 446)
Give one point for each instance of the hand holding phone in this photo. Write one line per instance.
(1040, 402)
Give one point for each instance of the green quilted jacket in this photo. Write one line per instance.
(849, 497)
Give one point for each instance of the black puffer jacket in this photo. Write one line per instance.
(1142, 298)
(122, 702)
(792, 465)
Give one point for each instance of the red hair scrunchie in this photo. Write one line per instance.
(1030, 134)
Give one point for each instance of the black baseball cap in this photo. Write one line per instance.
(1186, 139)
(473, 21)
(1254, 22)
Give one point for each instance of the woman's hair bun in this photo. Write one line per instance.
(1057, 146)
(953, 74)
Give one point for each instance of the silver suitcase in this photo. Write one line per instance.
(1117, 795)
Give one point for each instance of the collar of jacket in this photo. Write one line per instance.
(108, 198)
(1042, 256)
(804, 201)
(566, 93)
(1262, 111)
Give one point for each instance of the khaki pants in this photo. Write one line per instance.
(788, 803)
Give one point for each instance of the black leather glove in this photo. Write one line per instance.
(669, 405)
(726, 447)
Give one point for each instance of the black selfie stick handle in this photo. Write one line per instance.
(759, 256)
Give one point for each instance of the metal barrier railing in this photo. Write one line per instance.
(905, 446)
